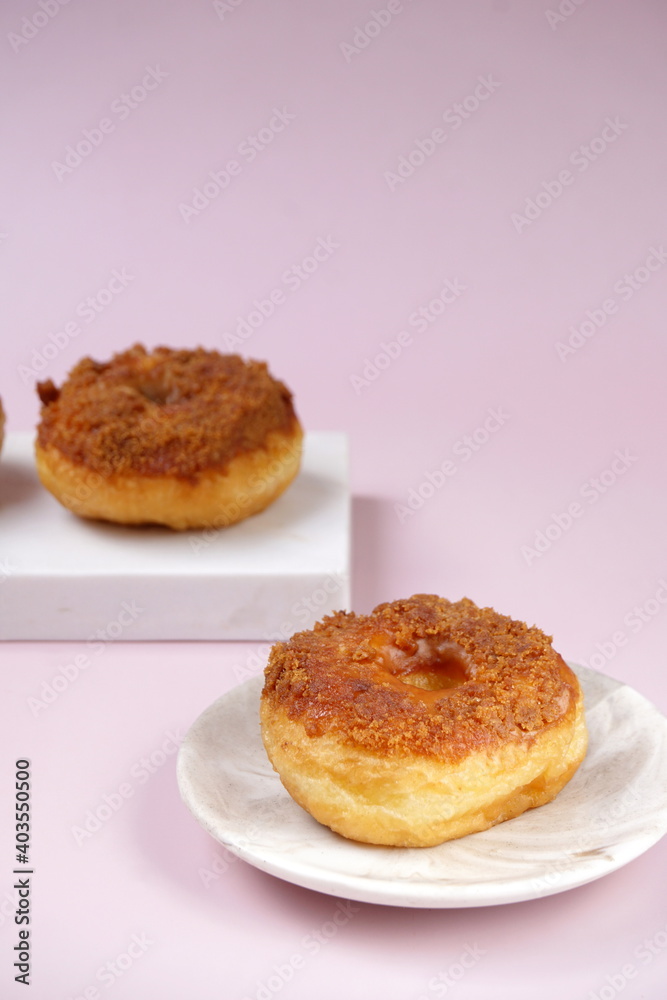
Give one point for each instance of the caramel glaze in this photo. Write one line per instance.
(339, 679)
(166, 413)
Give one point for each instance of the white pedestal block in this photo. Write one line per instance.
(62, 577)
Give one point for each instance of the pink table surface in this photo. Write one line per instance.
(442, 225)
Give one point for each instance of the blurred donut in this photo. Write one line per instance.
(184, 438)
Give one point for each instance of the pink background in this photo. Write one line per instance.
(539, 130)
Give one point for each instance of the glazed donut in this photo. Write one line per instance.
(421, 722)
(184, 438)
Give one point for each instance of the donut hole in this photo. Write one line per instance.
(434, 666)
(445, 670)
(156, 393)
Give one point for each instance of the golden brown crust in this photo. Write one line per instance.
(250, 482)
(351, 676)
(176, 413)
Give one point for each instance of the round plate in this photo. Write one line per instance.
(613, 809)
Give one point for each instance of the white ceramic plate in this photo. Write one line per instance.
(613, 810)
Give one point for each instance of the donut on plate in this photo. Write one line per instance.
(423, 721)
(184, 438)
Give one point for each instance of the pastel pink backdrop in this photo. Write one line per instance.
(341, 115)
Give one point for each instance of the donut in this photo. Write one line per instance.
(424, 721)
(183, 438)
